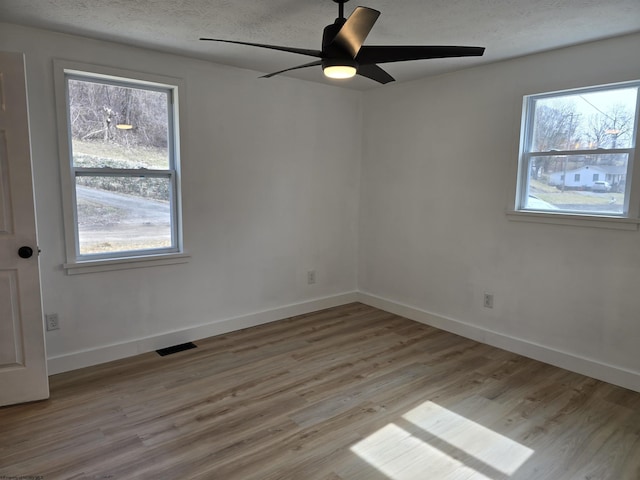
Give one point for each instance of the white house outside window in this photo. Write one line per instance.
(577, 152)
(122, 165)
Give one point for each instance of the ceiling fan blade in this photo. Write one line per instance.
(374, 72)
(301, 51)
(353, 33)
(312, 64)
(397, 53)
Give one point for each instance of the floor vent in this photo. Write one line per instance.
(176, 348)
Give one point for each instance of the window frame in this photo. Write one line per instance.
(627, 220)
(89, 263)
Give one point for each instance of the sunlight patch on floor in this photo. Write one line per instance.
(401, 456)
(491, 448)
(430, 441)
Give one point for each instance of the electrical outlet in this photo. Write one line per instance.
(52, 321)
(311, 277)
(488, 300)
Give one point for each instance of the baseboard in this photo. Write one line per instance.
(107, 353)
(575, 363)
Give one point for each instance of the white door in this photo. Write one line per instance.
(23, 367)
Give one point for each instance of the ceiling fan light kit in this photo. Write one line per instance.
(339, 69)
(343, 54)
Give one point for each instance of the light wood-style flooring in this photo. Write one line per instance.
(346, 393)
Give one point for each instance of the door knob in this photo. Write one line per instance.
(25, 252)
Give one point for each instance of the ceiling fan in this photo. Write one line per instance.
(343, 55)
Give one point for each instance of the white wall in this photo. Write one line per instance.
(270, 190)
(438, 174)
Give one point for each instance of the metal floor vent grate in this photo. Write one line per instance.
(176, 348)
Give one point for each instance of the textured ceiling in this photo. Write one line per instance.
(507, 28)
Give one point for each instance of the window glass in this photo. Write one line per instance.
(122, 161)
(601, 119)
(117, 214)
(119, 127)
(577, 151)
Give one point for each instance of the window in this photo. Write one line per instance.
(121, 167)
(572, 139)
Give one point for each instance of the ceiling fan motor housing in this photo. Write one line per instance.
(329, 47)
(335, 62)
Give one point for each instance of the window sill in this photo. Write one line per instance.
(595, 221)
(110, 264)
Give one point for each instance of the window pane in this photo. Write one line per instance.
(119, 214)
(118, 127)
(585, 121)
(577, 183)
